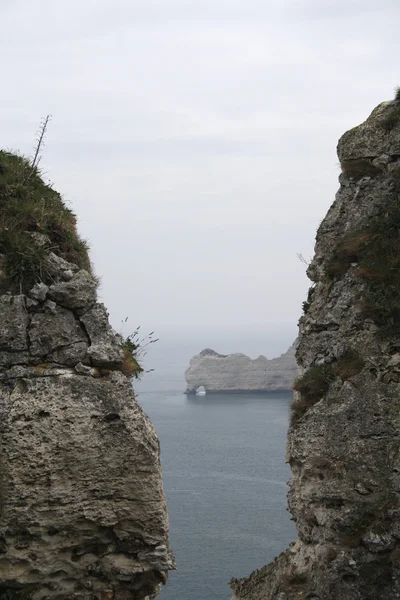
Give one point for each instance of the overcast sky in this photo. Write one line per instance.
(195, 139)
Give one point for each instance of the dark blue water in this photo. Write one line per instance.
(225, 479)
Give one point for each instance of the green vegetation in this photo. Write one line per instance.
(393, 117)
(359, 168)
(395, 556)
(376, 250)
(351, 541)
(28, 205)
(315, 382)
(312, 386)
(10, 593)
(135, 349)
(349, 364)
(130, 366)
(295, 583)
(347, 252)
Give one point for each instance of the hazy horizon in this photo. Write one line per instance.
(196, 142)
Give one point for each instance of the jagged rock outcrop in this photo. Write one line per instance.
(239, 373)
(343, 441)
(82, 508)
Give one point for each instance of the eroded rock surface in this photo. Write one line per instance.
(239, 373)
(343, 441)
(83, 513)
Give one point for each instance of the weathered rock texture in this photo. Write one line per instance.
(83, 513)
(239, 373)
(343, 442)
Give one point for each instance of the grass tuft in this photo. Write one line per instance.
(346, 253)
(12, 593)
(392, 118)
(312, 386)
(130, 366)
(315, 382)
(395, 556)
(351, 541)
(349, 364)
(358, 168)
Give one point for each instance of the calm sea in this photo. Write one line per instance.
(225, 476)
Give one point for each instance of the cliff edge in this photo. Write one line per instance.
(239, 373)
(82, 508)
(343, 440)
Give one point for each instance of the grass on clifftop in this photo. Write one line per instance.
(29, 205)
(392, 118)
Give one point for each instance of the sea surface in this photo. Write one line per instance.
(225, 477)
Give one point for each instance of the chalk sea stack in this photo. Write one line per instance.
(343, 441)
(239, 373)
(83, 513)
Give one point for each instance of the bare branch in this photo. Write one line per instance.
(302, 259)
(40, 141)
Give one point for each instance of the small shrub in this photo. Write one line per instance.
(395, 556)
(397, 94)
(298, 409)
(392, 118)
(130, 366)
(337, 266)
(135, 349)
(314, 383)
(349, 365)
(294, 581)
(346, 253)
(369, 273)
(312, 386)
(356, 169)
(353, 243)
(11, 593)
(331, 554)
(351, 541)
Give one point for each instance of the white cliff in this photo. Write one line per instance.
(240, 373)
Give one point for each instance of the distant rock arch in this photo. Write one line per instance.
(200, 390)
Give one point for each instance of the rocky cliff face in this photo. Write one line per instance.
(343, 441)
(82, 508)
(239, 373)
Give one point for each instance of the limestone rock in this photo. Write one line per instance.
(343, 442)
(52, 333)
(82, 497)
(39, 292)
(13, 323)
(239, 373)
(83, 510)
(79, 293)
(60, 266)
(105, 344)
